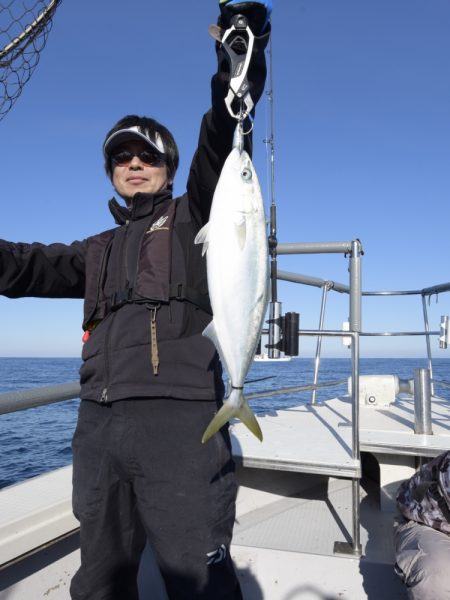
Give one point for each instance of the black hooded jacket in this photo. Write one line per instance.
(143, 282)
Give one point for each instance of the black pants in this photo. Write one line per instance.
(141, 473)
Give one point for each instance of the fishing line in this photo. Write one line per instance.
(259, 379)
(274, 305)
(269, 139)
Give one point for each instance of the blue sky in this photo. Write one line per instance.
(362, 147)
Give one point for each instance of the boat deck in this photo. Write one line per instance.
(317, 438)
(286, 526)
(291, 527)
(294, 503)
(305, 438)
(268, 575)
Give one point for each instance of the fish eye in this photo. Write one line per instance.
(246, 174)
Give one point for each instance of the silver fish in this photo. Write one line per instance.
(235, 242)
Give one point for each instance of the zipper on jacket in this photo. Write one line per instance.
(122, 256)
(104, 396)
(100, 279)
(121, 265)
(148, 222)
(127, 279)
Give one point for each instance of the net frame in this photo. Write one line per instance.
(21, 52)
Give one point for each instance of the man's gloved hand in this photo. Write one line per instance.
(257, 12)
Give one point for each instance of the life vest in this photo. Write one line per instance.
(159, 276)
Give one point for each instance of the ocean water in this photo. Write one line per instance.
(38, 440)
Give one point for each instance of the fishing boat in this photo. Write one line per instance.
(264, 357)
(316, 499)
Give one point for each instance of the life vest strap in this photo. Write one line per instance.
(177, 291)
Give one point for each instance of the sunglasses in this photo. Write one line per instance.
(149, 158)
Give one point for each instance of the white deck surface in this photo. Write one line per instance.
(284, 536)
(309, 439)
(31, 514)
(287, 522)
(285, 530)
(277, 575)
(391, 429)
(317, 438)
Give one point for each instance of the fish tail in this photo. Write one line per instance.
(246, 415)
(230, 410)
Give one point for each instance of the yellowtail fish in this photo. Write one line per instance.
(235, 242)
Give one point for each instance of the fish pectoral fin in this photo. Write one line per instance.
(210, 332)
(202, 238)
(240, 228)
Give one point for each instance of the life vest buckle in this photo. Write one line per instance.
(121, 297)
(181, 292)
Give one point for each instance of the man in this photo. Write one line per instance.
(150, 383)
(422, 531)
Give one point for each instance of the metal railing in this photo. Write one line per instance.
(330, 285)
(353, 250)
(24, 399)
(32, 398)
(424, 378)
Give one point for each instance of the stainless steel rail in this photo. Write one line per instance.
(328, 285)
(354, 251)
(295, 389)
(422, 402)
(316, 248)
(32, 398)
(24, 399)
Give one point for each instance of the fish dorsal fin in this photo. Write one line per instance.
(202, 238)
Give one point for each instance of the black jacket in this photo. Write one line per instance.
(139, 270)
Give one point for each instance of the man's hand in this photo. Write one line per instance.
(257, 12)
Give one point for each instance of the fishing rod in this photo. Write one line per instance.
(238, 41)
(274, 305)
(283, 330)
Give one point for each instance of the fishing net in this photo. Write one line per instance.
(24, 27)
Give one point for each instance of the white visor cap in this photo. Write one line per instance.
(132, 134)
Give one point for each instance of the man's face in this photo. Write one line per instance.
(133, 173)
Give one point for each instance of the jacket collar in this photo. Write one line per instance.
(142, 205)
